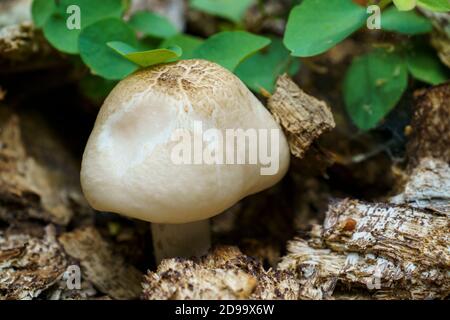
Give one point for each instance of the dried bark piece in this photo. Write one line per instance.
(59, 291)
(225, 273)
(322, 272)
(390, 253)
(400, 233)
(29, 265)
(428, 186)
(302, 117)
(29, 187)
(316, 269)
(24, 48)
(101, 265)
(430, 136)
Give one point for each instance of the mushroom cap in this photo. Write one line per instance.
(128, 167)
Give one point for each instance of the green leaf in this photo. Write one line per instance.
(41, 10)
(145, 58)
(233, 10)
(315, 26)
(98, 55)
(425, 66)
(152, 24)
(405, 5)
(435, 5)
(373, 86)
(66, 40)
(262, 69)
(186, 42)
(405, 22)
(230, 48)
(96, 88)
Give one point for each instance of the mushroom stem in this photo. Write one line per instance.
(181, 240)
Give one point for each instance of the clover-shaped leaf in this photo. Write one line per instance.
(373, 86)
(153, 25)
(261, 70)
(405, 22)
(233, 10)
(315, 26)
(145, 58)
(98, 56)
(56, 24)
(230, 48)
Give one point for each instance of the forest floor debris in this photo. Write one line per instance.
(100, 265)
(225, 273)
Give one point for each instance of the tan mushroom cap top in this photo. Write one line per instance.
(128, 165)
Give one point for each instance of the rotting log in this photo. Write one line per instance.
(101, 265)
(225, 273)
(38, 177)
(29, 264)
(396, 250)
(388, 251)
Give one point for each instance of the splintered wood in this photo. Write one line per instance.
(29, 264)
(428, 173)
(302, 117)
(101, 266)
(430, 136)
(225, 273)
(396, 250)
(28, 189)
(386, 251)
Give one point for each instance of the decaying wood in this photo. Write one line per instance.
(225, 273)
(302, 117)
(389, 251)
(43, 185)
(401, 233)
(23, 48)
(103, 267)
(440, 37)
(60, 291)
(427, 182)
(430, 135)
(427, 186)
(29, 264)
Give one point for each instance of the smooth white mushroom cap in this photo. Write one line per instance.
(127, 166)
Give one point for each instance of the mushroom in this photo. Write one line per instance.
(130, 165)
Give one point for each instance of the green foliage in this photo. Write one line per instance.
(233, 10)
(153, 25)
(405, 5)
(55, 26)
(230, 48)
(261, 70)
(41, 10)
(435, 5)
(98, 56)
(145, 58)
(373, 85)
(315, 26)
(405, 22)
(187, 43)
(425, 66)
(96, 88)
